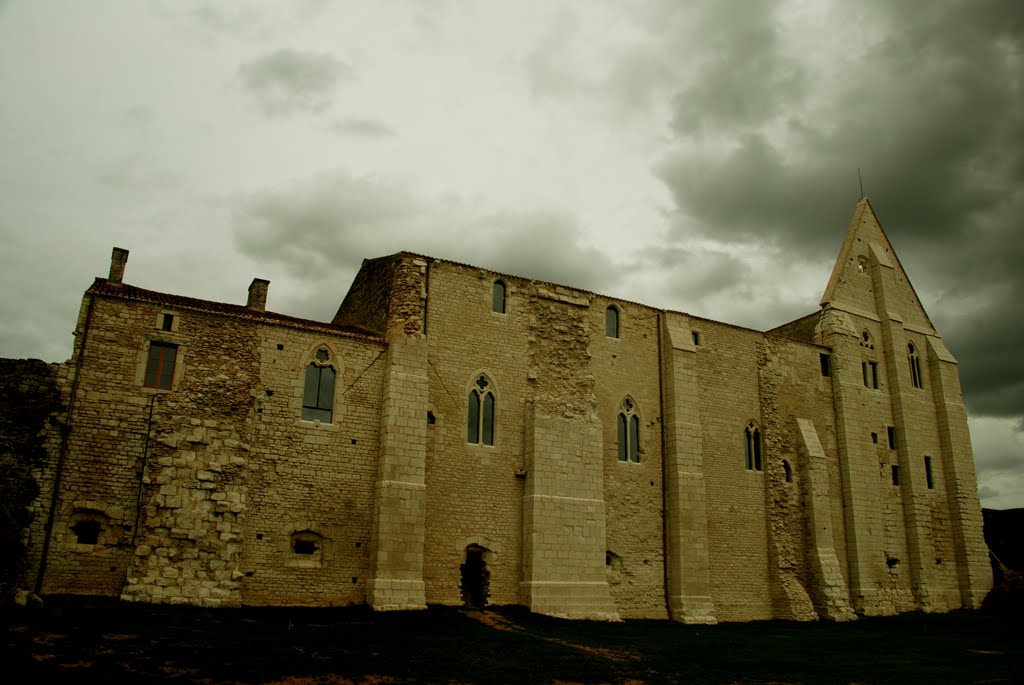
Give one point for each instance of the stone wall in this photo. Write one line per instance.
(219, 492)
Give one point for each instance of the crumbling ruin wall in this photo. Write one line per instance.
(788, 567)
(193, 496)
(626, 368)
(564, 512)
(806, 530)
(30, 420)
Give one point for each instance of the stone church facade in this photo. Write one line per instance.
(459, 436)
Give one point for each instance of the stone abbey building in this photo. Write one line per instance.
(459, 436)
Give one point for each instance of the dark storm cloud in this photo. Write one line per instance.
(933, 113)
(334, 221)
(746, 76)
(288, 81)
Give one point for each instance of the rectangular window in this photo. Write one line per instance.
(168, 322)
(696, 338)
(826, 369)
(895, 474)
(873, 368)
(928, 473)
(891, 431)
(160, 365)
(864, 371)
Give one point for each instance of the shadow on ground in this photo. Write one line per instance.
(107, 642)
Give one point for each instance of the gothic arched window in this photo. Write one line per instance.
(628, 423)
(915, 366)
(480, 423)
(752, 436)
(318, 390)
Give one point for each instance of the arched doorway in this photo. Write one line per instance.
(475, 578)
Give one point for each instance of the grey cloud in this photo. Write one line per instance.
(288, 81)
(364, 128)
(332, 222)
(691, 274)
(985, 492)
(550, 71)
(746, 76)
(535, 244)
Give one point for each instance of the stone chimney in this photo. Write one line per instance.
(118, 258)
(258, 294)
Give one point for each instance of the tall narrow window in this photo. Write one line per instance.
(160, 365)
(826, 365)
(498, 297)
(480, 414)
(752, 436)
(928, 473)
(629, 432)
(870, 371)
(915, 366)
(318, 392)
(891, 431)
(611, 322)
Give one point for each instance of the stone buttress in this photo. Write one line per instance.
(399, 519)
(686, 528)
(872, 320)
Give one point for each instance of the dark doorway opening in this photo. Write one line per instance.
(475, 578)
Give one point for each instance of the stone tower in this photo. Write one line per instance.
(913, 518)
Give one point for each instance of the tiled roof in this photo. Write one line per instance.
(104, 288)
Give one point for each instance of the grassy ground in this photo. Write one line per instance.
(104, 642)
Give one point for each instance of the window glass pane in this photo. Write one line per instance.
(160, 365)
(611, 322)
(634, 438)
(623, 445)
(151, 371)
(750, 449)
(473, 435)
(314, 414)
(757, 450)
(326, 395)
(312, 386)
(498, 298)
(488, 419)
(167, 367)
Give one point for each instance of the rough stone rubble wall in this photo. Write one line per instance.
(31, 414)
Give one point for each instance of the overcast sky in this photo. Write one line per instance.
(700, 156)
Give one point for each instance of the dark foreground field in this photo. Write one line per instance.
(78, 641)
